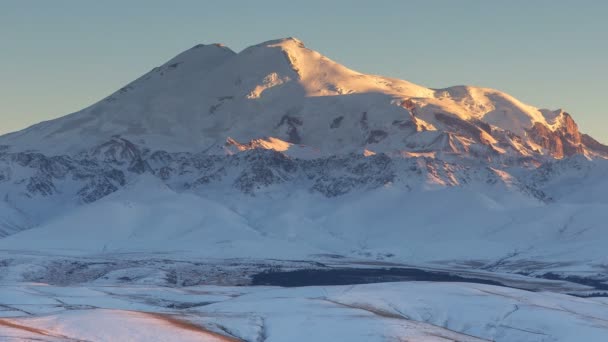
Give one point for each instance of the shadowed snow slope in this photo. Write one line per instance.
(481, 224)
(412, 311)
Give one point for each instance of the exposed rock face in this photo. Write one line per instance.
(547, 139)
(594, 145)
(110, 166)
(563, 142)
(476, 130)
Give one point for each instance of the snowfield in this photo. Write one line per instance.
(487, 226)
(412, 311)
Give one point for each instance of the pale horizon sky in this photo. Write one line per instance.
(60, 56)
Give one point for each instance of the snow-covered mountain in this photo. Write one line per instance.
(282, 89)
(278, 119)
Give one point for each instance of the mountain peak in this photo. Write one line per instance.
(201, 54)
(283, 42)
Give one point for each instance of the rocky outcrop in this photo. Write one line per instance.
(110, 166)
(562, 142)
(594, 145)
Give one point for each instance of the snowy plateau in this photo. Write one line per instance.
(276, 195)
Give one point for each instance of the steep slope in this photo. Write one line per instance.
(161, 105)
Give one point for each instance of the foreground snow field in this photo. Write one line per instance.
(403, 311)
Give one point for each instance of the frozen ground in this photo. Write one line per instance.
(137, 297)
(402, 311)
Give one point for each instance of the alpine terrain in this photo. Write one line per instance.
(179, 204)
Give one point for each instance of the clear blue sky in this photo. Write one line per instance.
(59, 56)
